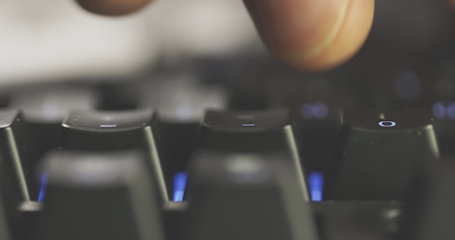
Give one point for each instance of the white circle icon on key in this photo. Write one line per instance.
(387, 124)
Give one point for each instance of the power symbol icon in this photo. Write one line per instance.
(387, 124)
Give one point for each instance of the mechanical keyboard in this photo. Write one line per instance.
(231, 149)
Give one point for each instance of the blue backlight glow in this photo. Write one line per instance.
(444, 110)
(316, 180)
(180, 180)
(317, 110)
(42, 190)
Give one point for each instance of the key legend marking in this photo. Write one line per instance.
(108, 125)
(387, 124)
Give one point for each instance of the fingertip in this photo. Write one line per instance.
(351, 36)
(452, 2)
(314, 34)
(112, 7)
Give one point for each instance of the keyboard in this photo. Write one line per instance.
(231, 149)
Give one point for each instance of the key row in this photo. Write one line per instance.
(374, 157)
(112, 195)
(182, 104)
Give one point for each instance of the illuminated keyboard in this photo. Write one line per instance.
(251, 152)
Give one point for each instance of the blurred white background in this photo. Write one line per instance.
(55, 40)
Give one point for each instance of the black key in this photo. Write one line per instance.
(377, 153)
(260, 131)
(120, 130)
(104, 130)
(181, 105)
(247, 196)
(98, 196)
(45, 108)
(315, 102)
(247, 131)
(18, 155)
(428, 213)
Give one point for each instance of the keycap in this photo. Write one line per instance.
(246, 130)
(247, 196)
(116, 130)
(104, 130)
(45, 108)
(181, 102)
(377, 153)
(18, 155)
(106, 195)
(250, 131)
(314, 105)
(428, 212)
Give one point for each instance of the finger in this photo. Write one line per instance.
(313, 34)
(452, 2)
(112, 7)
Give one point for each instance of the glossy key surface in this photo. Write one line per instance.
(251, 132)
(246, 130)
(377, 154)
(18, 154)
(247, 196)
(98, 196)
(113, 131)
(181, 103)
(45, 107)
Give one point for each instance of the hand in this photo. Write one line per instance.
(308, 34)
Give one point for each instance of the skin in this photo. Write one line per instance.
(313, 34)
(307, 34)
(112, 7)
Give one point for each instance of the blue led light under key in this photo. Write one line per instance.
(316, 180)
(43, 184)
(180, 180)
